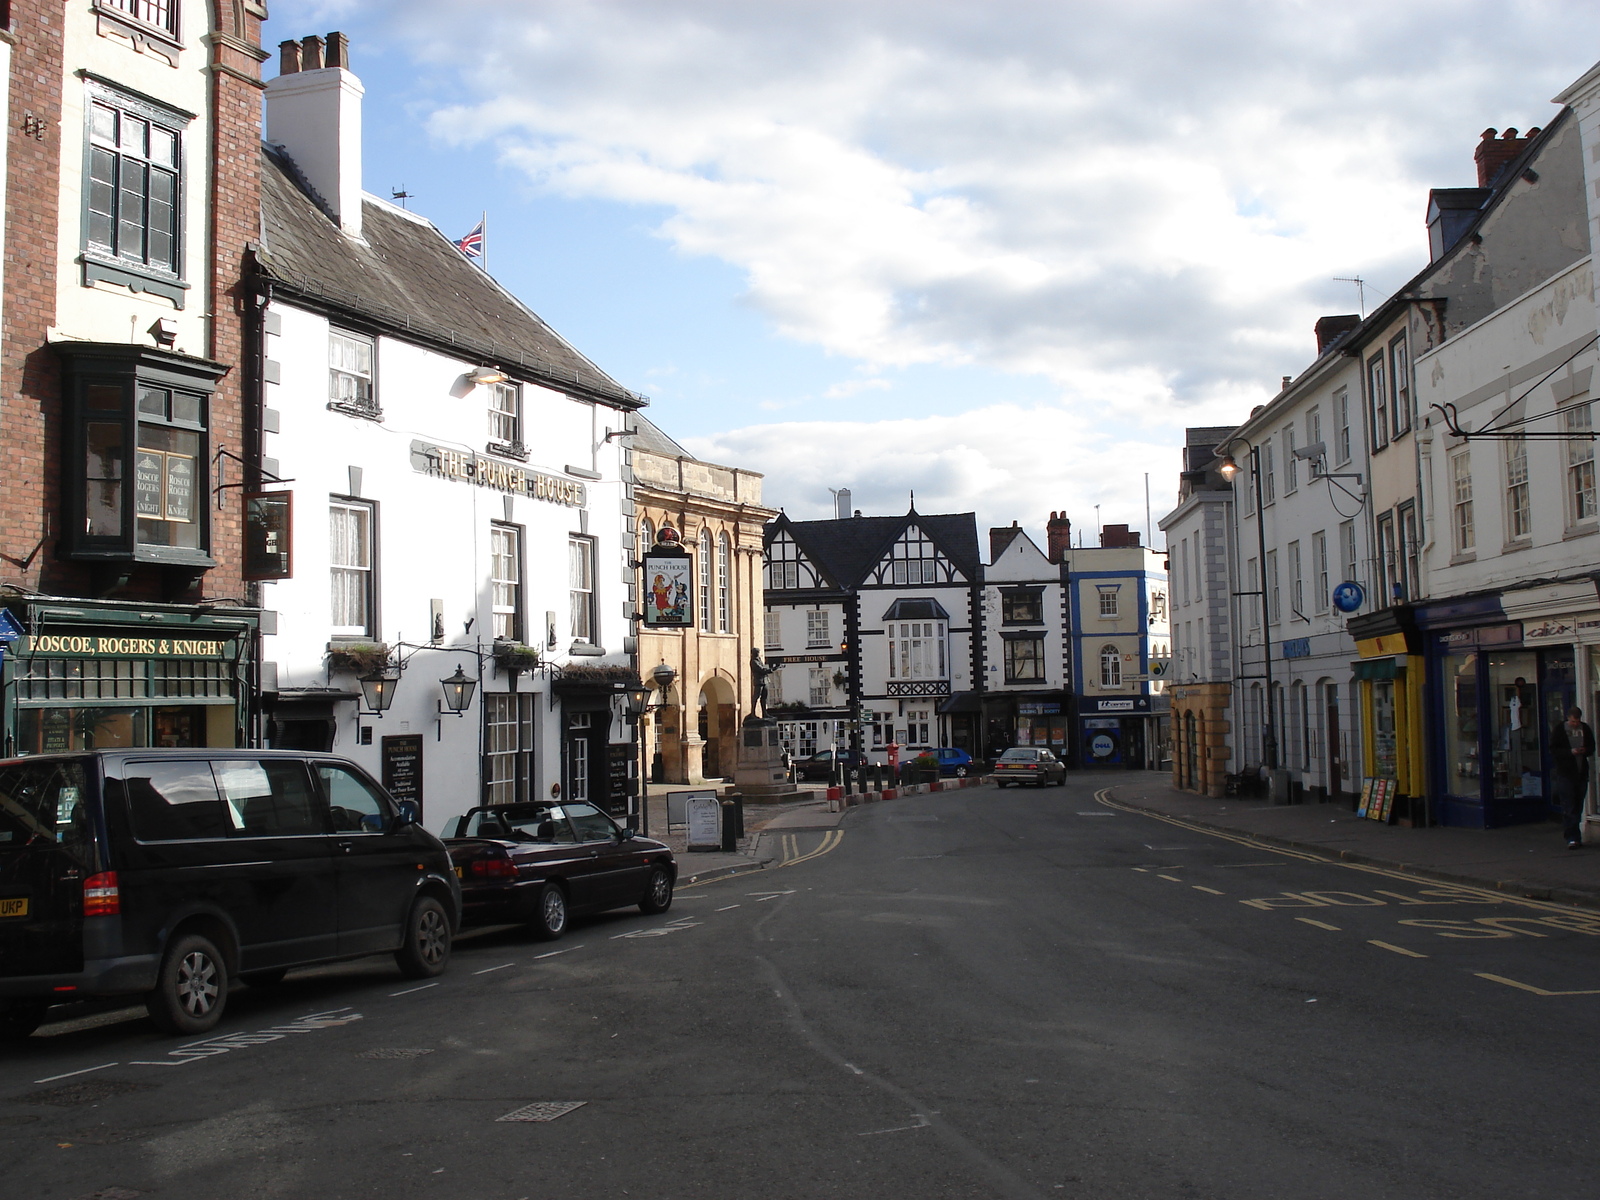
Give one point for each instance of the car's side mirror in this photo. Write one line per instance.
(626, 835)
(409, 814)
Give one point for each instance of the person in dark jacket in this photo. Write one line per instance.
(1571, 748)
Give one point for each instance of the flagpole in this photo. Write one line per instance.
(483, 224)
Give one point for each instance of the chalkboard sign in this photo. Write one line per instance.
(402, 767)
(620, 763)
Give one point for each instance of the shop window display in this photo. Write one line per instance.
(1461, 723)
(1512, 683)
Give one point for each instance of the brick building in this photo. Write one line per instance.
(131, 192)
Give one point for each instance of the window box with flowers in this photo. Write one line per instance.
(361, 658)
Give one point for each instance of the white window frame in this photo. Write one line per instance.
(1519, 502)
(352, 562)
(1577, 419)
(1319, 560)
(724, 582)
(707, 567)
(1341, 409)
(1109, 606)
(1110, 666)
(1297, 590)
(917, 650)
(353, 373)
(1463, 535)
(772, 631)
(582, 609)
(818, 629)
(505, 417)
(505, 581)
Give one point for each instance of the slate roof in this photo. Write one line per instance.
(411, 281)
(848, 549)
(653, 440)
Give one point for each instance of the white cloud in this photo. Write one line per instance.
(1004, 462)
(1151, 198)
(853, 387)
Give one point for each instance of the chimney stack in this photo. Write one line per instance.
(1330, 328)
(841, 504)
(999, 539)
(314, 113)
(1058, 537)
(1118, 537)
(1494, 153)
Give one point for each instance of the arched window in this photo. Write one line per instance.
(647, 536)
(1110, 666)
(705, 580)
(722, 582)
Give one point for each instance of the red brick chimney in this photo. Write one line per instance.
(1494, 153)
(1329, 328)
(999, 539)
(1118, 537)
(1058, 537)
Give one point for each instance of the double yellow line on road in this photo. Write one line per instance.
(791, 847)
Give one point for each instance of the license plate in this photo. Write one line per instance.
(14, 906)
(461, 873)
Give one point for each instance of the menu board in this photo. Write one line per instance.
(402, 767)
(620, 761)
(705, 821)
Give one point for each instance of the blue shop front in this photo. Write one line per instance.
(1122, 731)
(1493, 697)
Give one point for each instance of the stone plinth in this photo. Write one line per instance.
(760, 776)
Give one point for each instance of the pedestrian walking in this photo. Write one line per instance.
(1571, 748)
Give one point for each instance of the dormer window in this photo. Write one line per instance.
(505, 420)
(350, 375)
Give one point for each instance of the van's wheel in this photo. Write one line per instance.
(549, 918)
(426, 949)
(265, 978)
(657, 892)
(21, 1017)
(192, 987)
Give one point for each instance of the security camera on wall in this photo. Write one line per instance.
(1313, 450)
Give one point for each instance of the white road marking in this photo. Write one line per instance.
(210, 1047)
(70, 1074)
(501, 967)
(553, 953)
(1213, 891)
(922, 1123)
(1091, 814)
(421, 987)
(855, 1069)
(727, 907)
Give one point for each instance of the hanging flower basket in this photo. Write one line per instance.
(361, 658)
(514, 656)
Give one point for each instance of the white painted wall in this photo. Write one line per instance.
(433, 543)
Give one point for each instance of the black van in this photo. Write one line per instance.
(169, 873)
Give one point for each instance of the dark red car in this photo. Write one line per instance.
(539, 864)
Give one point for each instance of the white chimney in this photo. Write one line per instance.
(841, 503)
(314, 113)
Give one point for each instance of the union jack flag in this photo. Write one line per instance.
(472, 244)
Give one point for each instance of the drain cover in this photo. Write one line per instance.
(88, 1092)
(543, 1110)
(393, 1053)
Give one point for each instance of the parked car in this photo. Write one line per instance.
(820, 765)
(1029, 764)
(170, 873)
(953, 763)
(540, 864)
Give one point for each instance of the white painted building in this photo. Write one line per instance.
(872, 618)
(460, 494)
(1026, 695)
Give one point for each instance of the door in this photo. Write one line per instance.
(377, 865)
(618, 867)
(278, 856)
(47, 850)
(1335, 761)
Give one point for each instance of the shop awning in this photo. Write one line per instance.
(961, 702)
(1377, 668)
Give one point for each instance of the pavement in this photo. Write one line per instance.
(1523, 860)
(760, 846)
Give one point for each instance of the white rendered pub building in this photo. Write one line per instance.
(442, 515)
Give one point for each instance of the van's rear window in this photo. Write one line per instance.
(43, 802)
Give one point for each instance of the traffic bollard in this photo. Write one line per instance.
(730, 826)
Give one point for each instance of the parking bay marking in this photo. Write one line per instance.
(1319, 924)
(1212, 891)
(210, 1047)
(79, 1071)
(501, 967)
(1396, 949)
(1528, 987)
(553, 953)
(421, 987)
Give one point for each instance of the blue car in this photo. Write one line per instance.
(952, 762)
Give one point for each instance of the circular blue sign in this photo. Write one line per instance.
(1348, 597)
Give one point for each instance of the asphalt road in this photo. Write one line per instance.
(978, 994)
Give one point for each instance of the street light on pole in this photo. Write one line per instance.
(1228, 469)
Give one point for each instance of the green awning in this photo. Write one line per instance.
(1378, 668)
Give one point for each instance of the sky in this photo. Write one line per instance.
(992, 254)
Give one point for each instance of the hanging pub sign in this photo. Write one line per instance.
(668, 583)
(268, 535)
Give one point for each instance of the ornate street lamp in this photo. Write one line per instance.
(377, 689)
(458, 691)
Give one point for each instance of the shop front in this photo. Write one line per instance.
(1023, 719)
(1390, 680)
(90, 675)
(1119, 731)
(1494, 698)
